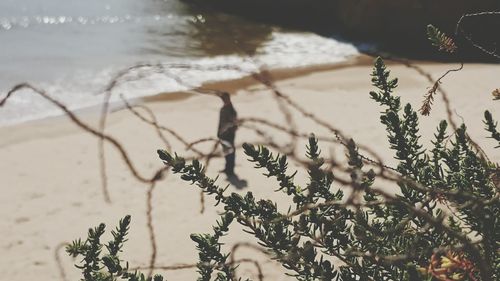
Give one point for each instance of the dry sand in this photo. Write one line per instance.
(51, 190)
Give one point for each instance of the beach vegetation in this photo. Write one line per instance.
(441, 224)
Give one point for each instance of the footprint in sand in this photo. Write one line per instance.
(21, 220)
(36, 195)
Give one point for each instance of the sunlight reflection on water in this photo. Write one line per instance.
(73, 47)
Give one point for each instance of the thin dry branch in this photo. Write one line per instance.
(87, 128)
(60, 267)
(183, 266)
(459, 30)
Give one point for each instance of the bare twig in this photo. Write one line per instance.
(459, 30)
(60, 267)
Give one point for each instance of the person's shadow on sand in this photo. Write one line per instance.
(235, 181)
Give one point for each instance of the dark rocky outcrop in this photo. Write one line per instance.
(403, 22)
(315, 15)
(400, 24)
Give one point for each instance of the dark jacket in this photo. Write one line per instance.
(227, 123)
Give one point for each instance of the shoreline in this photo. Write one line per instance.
(229, 85)
(59, 124)
(38, 128)
(277, 74)
(31, 129)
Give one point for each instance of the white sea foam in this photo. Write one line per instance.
(82, 89)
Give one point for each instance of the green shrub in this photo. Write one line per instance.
(366, 235)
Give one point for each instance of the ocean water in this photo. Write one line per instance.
(73, 48)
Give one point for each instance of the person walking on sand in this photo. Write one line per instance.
(226, 133)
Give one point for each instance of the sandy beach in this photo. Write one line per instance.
(51, 185)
